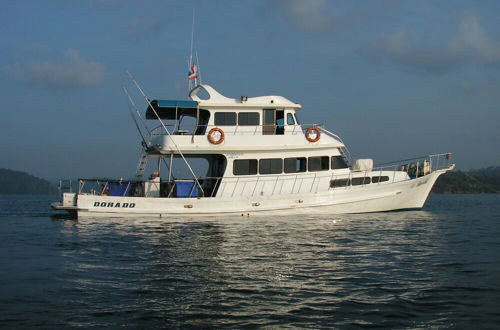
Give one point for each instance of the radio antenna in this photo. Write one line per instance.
(193, 75)
(199, 68)
(192, 41)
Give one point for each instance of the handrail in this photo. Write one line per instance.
(437, 161)
(240, 130)
(302, 182)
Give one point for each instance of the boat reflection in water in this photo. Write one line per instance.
(242, 270)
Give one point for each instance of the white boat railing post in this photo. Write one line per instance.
(275, 183)
(243, 188)
(294, 181)
(170, 167)
(216, 185)
(104, 188)
(235, 185)
(255, 186)
(126, 189)
(300, 185)
(312, 184)
(191, 192)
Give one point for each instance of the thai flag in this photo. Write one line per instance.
(192, 72)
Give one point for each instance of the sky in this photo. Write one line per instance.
(395, 79)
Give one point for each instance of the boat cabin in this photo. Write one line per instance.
(245, 139)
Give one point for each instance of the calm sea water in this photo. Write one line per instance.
(435, 268)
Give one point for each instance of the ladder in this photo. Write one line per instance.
(344, 152)
(65, 186)
(143, 161)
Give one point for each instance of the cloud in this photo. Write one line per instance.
(145, 24)
(72, 72)
(470, 45)
(307, 15)
(150, 21)
(317, 15)
(471, 38)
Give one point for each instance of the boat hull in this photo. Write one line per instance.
(409, 194)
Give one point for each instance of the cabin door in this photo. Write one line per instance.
(273, 122)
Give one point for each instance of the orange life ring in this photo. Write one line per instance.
(310, 130)
(212, 133)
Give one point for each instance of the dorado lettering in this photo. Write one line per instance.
(111, 204)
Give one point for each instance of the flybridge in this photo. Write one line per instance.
(175, 109)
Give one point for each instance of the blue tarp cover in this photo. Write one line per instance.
(186, 188)
(120, 188)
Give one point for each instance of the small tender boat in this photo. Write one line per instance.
(257, 159)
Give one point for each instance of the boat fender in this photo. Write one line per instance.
(211, 135)
(309, 133)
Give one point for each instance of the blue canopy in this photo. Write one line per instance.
(177, 104)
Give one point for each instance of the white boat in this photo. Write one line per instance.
(258, 160)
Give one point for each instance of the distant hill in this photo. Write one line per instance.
(483, 181)
(17, 182)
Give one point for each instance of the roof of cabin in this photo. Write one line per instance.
(215, 99)
(171, 109)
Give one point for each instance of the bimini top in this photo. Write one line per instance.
(171, 109)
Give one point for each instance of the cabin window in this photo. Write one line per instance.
(271, 166)
(225, 119)
(360, 181)
(376, 179)
(289, 119)
(245, 167)
(339, 183)
(248, 119)
(318, 163)
(338, 162)
(295, 165)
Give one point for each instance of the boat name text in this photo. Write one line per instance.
(111, 204)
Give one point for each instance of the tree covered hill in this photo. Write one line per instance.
(17, 182)
(483, 181)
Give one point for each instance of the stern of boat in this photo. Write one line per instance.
(68, 200)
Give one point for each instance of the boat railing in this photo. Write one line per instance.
(268, 129)
(418, 166)
(344, 150)
(65, 186)
(292, 183)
